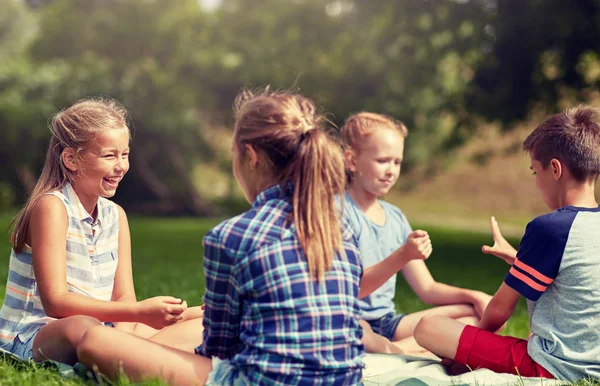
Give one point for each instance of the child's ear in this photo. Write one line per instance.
(557, 169)
(69, 159)
(252, 156)
(350, 160)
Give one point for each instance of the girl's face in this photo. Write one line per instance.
(376, 165)
(101, 166)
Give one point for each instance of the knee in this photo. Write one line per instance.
(90, 341)
(79, 325)
(426, 327)
(365, 325)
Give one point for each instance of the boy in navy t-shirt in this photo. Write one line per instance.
(556, 268)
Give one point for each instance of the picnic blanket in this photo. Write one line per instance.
(404, 370)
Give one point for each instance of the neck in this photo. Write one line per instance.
(362, 198)
(263, 184)
(578, 194)
(89, 203)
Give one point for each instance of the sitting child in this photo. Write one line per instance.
(70, 266)
(556, 268)
(282, 279)
(374, 147)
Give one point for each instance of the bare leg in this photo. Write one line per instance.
(403, 338)
(470, 320)
(456, 311)
(111, 350)
(185, 336)
(375, 343)
(58, 339)
(439, 334)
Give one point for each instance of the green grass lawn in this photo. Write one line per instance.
(167, 260)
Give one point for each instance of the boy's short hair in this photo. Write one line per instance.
(572, 137)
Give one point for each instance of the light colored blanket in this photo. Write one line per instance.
(404, 370)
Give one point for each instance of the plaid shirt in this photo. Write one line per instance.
(266, 315)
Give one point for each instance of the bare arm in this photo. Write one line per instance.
(500, 309)
(48, 232)
(435, 293)
(124, 290)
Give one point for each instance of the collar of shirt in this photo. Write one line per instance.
(274, 192)
(83, 214)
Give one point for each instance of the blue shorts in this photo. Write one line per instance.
(224, 373)
(23, 350)
(386, 325)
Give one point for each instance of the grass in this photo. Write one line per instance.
(167, 260)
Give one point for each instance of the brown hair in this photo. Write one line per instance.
(361, 125)
(572, 137)
(287, 130)
(74, 127)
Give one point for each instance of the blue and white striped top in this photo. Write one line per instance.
(92, 254)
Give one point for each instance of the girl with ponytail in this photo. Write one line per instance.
(282, 279)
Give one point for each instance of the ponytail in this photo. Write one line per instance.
(287, 129)
(318, 176)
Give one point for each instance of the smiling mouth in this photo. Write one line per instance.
(113, 180)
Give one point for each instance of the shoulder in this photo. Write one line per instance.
(353, 216)
(235, 231)
(552, 226)
(50, 207)
(254, 228)
(119, 212)
(49, 216)
(394, 212)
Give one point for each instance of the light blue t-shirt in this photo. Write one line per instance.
(376, 243)
(558, 271)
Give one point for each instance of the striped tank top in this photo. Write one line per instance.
(92, 254)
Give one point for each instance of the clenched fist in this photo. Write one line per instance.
(418, 246)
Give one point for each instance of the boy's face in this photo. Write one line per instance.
(376, 166)
(546, 182)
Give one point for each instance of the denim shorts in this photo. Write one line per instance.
(224, 373)
(23, 350)
(386, 325)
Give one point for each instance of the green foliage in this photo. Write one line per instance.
(535, 55)
(435, 65)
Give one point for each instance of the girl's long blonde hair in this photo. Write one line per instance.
(74, 127)
(287, 129)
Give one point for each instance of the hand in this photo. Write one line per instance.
(501, 248)
(418, 246)
(480, 301)
(454, 368)
(193, 313)
(160, 311)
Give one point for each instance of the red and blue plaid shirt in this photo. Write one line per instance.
(264, 312)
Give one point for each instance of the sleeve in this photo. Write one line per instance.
(539, 256)
(222, 311)
(349, 237)
(404, 228)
